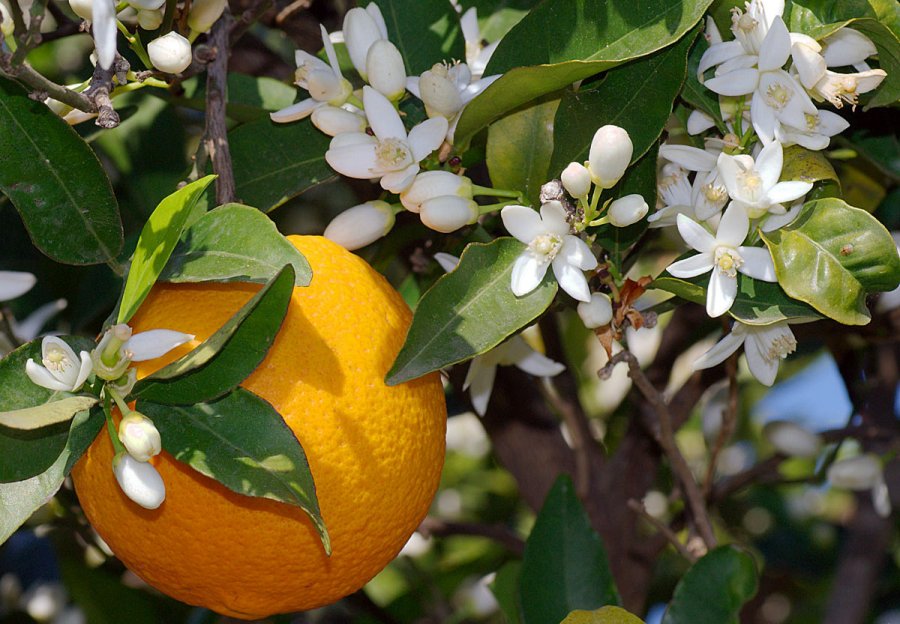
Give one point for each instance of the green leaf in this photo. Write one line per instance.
(604, 615)
(244, 444)
(757, 302)
(469, 311)
(275, 162)
(505, 588)
(637, 96)
(47, 414)
(425, 31)
(158, 238)
(714, 589)
(55, 182)
(564, 566)
(807, 166)
(249, 97)
(26, 453)
(519, 147)
(227, 357)
(882, 150)
(831, 256)
(598, 35)
(20, 499)
(234, 243)
(694, 93)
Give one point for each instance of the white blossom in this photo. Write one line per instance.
(446, 89)
(170, 53)
(431, 184)
(723, 255)
(333, 120)
(549, 244)
(361, 225)
(847, 46)
(609, 156)
(14, 284)
(675, 197)
(362, 28)
(839, 88)
(391, 155)
(627, 210)
(204, 14)
(140, 481)
(103, 27)
(764, 345)
(448, 213)
(385, 69)
(477, 53)
(118, 348)
(576, 179)
(753, 184)
(708, 194)
(60, 368)
(596, 312)
(140, 436)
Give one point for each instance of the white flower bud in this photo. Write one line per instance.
(140, 481)
(147, 5)
(140, 436)
(81, 8)
(431, 184)
(361, 225)
(360, 32)
(439, 92)
(385, 69)
(170, 53)
(862, 472)
(204, 14)
(596, 312)
(791, 439)
(448, 213)
(610, 155)
(334, 121)
(577, 180)
(6, 22)
(627, 210)
(150, 19)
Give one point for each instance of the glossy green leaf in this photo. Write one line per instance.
(519, 148)
(26, 453)
(276, 162)
(55, 182)
(505, 588)
(564, 566)
(694, 93)
(807, 166)
(637, 96)
(158, 239)
(244, 444)
(603, 615)
(598, 35)
(227, 357)
(47, 414)
(469, 311)
(831, 256)
(20, 499)
(714, 589)
(882, 150)
(425, 31)
(249, 97)
(757, 302)
(234, 243)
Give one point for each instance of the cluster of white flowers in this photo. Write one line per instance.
(721, 197)
(138, 440)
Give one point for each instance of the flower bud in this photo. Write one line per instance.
(360, 32)
(856, 473)
(609, 156)
(82, 8)
(439, 92)
(170, 53)
(361, 225)
(576, 179)
(140, 481)
(385, 69)
(431, 184)
(140, 436)
(204, 14)
(334, 121)
(791, 439)
(150, 19)
(448, 213)
(627, 210)
(596, 312)
(147, 5)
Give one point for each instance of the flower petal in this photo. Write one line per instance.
(154, 343)
(527, 273)
(427, 137)
(763, 116)
(539, 365)
(769, 163)
(721, 293)
(692, 266)
(87, 365)
(733, 227)
(571, 279)
(383, 117)
(691, 158)
(776, 47)
(44, 378)
(737, 82)
(717, 54)
(788, 191)
(354, 161)
(577, 253)
(522, 222)
(329, 51)
(695, 234)
(399, 181)
(720, 351)
(764, 369)
(757, 263)
(554, 216)
(447, 261)
(15, 284)
(300, 110)
(481, 384)
(105, 32)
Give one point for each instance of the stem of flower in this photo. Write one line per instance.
(120, 402)
(600, 221)
(492, 192)
(352, 99)
(494, 207)
(118, 447)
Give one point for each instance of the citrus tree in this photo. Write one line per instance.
(640, 254)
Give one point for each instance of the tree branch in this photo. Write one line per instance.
(432, 526)
(215, 135)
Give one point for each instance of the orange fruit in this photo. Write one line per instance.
(375, 451)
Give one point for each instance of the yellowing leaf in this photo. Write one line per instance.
(603, 615)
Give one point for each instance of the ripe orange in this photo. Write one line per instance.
(375, 451)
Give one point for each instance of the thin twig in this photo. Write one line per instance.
(290, 9)
(432, 526)
(729, 422)
(248, 18)
(45, 87)
(665, 531)
(579, 433)
(215, 135)
(666, 440)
